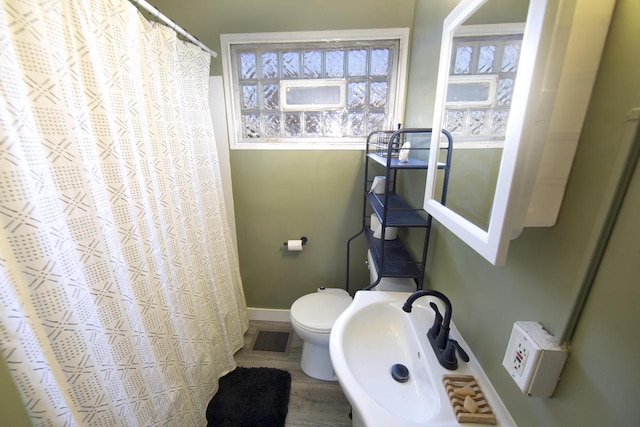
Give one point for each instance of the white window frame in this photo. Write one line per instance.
(397, 88)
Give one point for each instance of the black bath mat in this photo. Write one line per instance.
(249, 397)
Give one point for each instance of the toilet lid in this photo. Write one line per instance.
(319, 311)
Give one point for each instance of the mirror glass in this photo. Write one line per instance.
(483, 66)
(485, 76)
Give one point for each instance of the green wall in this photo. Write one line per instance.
(281, 195)
(541, 277)
(207, 19)
(472, 183)
(12, 411)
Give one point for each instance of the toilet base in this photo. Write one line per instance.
(316, 362)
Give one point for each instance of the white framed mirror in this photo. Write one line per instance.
(524, 133)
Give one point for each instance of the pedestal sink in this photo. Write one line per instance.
(374, 337)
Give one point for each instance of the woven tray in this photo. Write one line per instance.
(483, 416)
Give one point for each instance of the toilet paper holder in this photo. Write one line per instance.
(304, 241)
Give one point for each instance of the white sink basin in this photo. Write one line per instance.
(378, 337)
(370, 337)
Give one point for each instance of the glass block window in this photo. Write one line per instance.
(325, 90)
(482, 73)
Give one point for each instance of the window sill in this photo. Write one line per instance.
(341, 145)
(473, 145)
(306, 146)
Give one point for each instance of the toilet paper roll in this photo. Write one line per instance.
(294, 245)
(390, 233)
(378, 184)
(375, 222)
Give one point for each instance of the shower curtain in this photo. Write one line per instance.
(120, 296)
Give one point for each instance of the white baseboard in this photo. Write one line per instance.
(268, 314)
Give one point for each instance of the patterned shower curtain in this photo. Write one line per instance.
(120, 296)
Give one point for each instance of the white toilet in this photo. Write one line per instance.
(312, 317)
(389, 284)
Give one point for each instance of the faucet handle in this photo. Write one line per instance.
(449, 354)
(463, 354)
(437, 321)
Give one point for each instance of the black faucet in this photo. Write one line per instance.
(443, 346)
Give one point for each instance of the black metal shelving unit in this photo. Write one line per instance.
(391, 257)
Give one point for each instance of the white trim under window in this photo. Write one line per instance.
(256, 101)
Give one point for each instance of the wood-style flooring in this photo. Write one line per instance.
(311, 402)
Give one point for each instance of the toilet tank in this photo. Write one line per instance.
(393, 284)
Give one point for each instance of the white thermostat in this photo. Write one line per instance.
(533, 359)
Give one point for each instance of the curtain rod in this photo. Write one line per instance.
(169, 23)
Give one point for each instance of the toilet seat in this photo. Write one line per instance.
(318, 312)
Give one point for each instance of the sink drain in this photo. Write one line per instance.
(400, 373)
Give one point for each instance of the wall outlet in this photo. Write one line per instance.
(533, 359)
